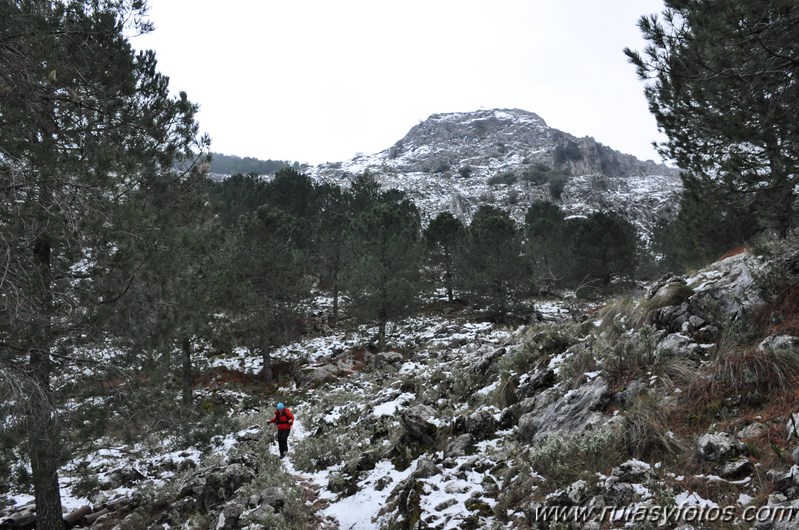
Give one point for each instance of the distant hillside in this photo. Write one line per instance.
(509, 157)
(232, 165)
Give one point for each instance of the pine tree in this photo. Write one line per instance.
(546, 244)
(603, 246)
(87, 123)
(700, 234)
(383, 277)
(331, 251)
(269, 281)
(183, 281)
(493, 267)
(445, 237)
(720, 80)
(293, 192)
(239, 195)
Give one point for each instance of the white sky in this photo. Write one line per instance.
(321, 80)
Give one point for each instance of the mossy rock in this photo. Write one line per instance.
(479, 506)
(672, 294)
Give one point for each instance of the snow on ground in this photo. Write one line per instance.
(691, 498)
(122, 469)
(389, 408)
(358, 512)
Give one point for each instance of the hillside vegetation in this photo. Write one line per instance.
(507, 363)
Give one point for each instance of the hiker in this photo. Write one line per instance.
(284, 420)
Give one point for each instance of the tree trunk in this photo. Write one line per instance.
(43, 430)
(266, 352)
(381, 335)
(44, 465)
(782, 188)
(186, 379)
(334, 319)
(448, 275)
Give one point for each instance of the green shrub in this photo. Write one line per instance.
(563, 459)
(568, 151)
(442, 167)
(574, 367)
(205, 432)
(556, 186)
(271, 473)
(503, 178)
(551, 339)
(316, 453)
(618, 316)
(517, 489)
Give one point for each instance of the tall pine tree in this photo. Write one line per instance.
(269, 261)
(494, 269)
(721, 81)
(445, 237)
(383, 277)
(86, 124)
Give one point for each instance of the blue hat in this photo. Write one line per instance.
(281, 406)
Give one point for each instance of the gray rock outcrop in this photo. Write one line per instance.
(573, 413)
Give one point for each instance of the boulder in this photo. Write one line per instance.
(539, 380)
(482, 364)
(792, 425)
(778, 514)
(425, 468)
(481, 424)
(274, 497)
(737, 469)
(708, 333)
(784, 479)
(577, 492)
(618, 493)
(367, 461)
(718, 447)
(671, 317)
(753, 430)
(668, 290)
(633, 471)
(778, 343)
(678, 345)
(229, 517)
(215, 486)
(460, 446)
(418, 422)
(573, 413)
(729, 286)
(387, 359)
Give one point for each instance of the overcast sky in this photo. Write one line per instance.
(321, 80)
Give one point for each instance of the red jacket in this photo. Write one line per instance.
(283, 418)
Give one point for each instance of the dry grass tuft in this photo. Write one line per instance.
(647, 434)
(759, 373)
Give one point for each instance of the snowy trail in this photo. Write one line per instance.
(356, 512)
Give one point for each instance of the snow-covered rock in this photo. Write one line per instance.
(446, 163)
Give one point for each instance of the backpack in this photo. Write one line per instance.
(282, 417)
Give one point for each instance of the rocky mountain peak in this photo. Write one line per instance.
(467, 128)
(510, 157)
